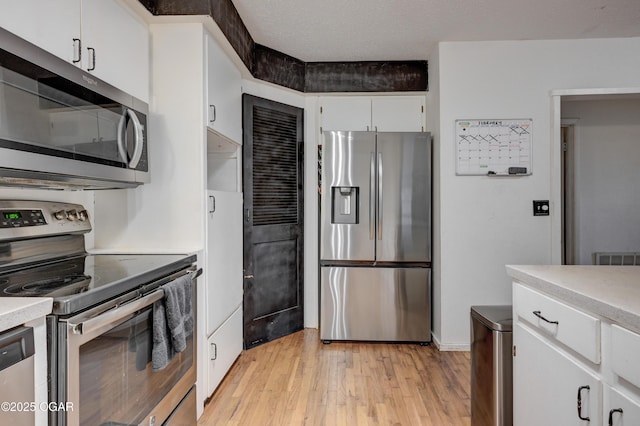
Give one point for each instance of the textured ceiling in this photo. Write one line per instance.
(363, 30)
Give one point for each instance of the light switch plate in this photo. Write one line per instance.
(541, 207)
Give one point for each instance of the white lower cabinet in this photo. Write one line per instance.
(619, 410)
(224, 347)
(560, 377)
(224, 284)
(549, 385)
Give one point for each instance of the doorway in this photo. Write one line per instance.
(567, 134)
(599, 157)
(273, 172)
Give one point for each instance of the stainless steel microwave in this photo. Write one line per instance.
(61, 127)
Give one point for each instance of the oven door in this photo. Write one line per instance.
(109, 376)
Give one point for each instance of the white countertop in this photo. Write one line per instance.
(612, 292)
(16, 311)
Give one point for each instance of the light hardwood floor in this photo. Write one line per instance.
(297, 380)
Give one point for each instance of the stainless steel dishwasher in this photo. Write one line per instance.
(17, 385)
(491, 366)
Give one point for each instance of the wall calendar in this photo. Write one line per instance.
(493, 147)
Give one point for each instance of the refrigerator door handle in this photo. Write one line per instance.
(379, 196)
(372, 198)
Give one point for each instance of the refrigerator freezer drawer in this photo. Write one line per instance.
(377, 304)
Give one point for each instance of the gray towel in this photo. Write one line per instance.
(172, 322)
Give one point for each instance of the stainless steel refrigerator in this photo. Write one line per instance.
(375, 236)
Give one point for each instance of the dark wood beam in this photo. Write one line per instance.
(279, 68)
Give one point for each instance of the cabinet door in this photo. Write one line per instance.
(224, 83)
(620, 410)
(224, 256)
(224, 347)
(398, 113)
(546, 383)
(120, 54)
(51, 25)
(345, 113)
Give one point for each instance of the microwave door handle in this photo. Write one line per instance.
(95, 323)
(121, 139)
(139, 139)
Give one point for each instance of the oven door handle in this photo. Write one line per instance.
(106, 318)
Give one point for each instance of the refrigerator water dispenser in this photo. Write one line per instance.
(344, 202)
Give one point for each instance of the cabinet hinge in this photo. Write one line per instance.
(565, 147)
(514, 351)
(320, 129)
(320, 110)
(422, 108)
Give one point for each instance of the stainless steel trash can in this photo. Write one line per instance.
(491, 366)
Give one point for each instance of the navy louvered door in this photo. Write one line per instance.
(273, 222)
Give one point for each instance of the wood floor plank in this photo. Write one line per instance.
(298, 380)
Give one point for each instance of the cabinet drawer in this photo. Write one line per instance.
(557, 321)
(625, 347)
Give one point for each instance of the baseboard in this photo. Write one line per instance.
(445, 347)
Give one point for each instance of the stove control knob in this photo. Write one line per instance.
(72, 215)
(83, 215)
(60, 215)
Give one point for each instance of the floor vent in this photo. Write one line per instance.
(621, 259)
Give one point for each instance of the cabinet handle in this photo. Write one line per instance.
(539, 315)
(213, 115)
(212, 204)
(615, 410)
(580, 389)
(214, 351)
(77, 50)
(92, 52)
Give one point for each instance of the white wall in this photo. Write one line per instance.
(166, 214)
(607, 173)
(485, 222)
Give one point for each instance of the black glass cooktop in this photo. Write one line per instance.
(84, 281)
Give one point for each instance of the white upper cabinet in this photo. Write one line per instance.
(370, 113)
(101, 36)
(115, 46)
(398, 113)
(224, 90)
(51, 25)
(345, 113)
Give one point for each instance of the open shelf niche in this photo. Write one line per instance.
(224, 163)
